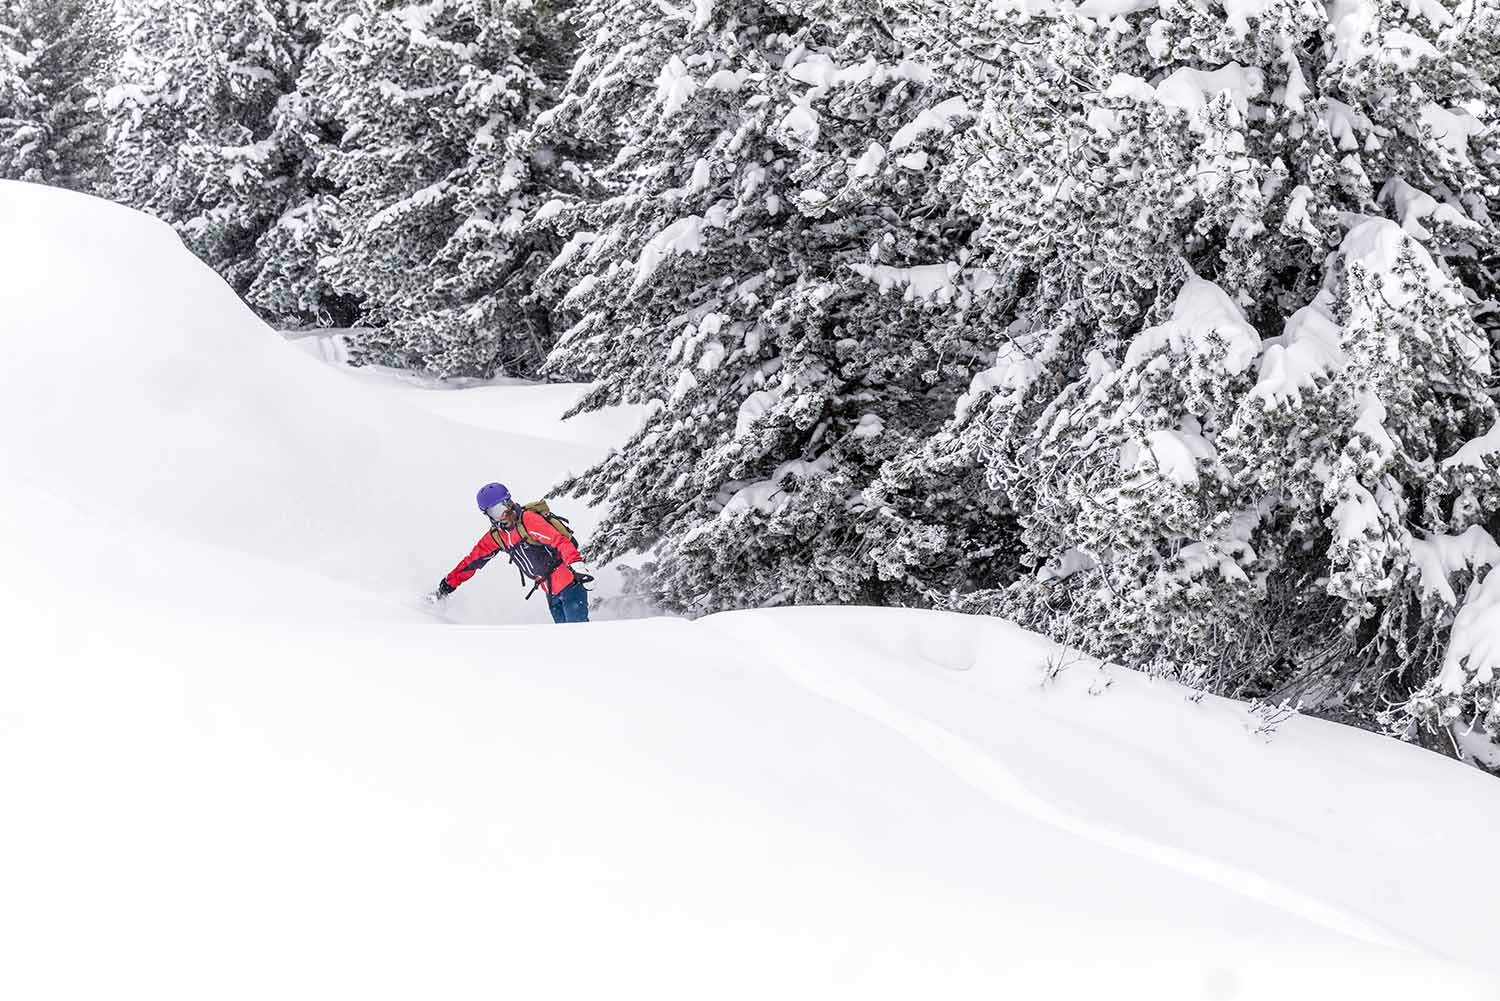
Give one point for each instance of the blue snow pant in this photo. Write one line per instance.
(571, 604)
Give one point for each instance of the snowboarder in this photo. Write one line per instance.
(538, 543)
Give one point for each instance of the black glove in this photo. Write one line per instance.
(583, 578)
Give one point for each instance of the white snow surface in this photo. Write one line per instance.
(674, 86)
(1473, 652)
(936, 119)
(1452, 128)
(1204, 321)
(237, 761)
(1175, 455)
(684, 236)
(1437, 557)
(1187, 90)
(1309, 350)
(1473, 453)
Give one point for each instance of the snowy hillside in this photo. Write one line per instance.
(238, 760)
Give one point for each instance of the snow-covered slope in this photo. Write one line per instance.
(140, 395)
(236, 761)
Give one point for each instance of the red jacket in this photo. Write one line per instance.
(530, 556)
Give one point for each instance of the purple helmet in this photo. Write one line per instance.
(492, 494)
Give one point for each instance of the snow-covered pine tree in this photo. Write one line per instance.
(210, 134)
(485, 314)
(291, 286)
(432, 189)
(16, 102)
(767, 171)
(1249, 242)
(58, 59)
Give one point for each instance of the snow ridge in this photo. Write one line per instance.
(975, 766)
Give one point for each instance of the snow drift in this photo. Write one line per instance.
(142, 396)
(235, 761)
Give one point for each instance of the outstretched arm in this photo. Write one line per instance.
(482, 553)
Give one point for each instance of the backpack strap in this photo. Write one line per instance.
(555, 521)
(499, 538)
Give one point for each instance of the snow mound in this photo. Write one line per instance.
(139, 395)
(1204, 321)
